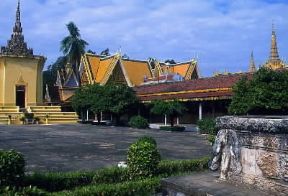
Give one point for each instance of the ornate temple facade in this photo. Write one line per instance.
(20, 71)
(21, 85)
(97, 69)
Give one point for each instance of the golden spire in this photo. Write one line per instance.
(274, 55)
(252, 67)
(274, 62)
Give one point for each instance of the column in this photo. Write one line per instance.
(200, 111)
(87, 115)
(165, 123)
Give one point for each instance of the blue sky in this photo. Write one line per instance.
(220, 33)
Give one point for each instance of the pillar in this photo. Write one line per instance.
(200, 111)
(165, 123)
(213, 110)
(87, 115)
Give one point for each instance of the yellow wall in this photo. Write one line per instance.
(21, 71)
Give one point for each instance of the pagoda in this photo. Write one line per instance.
(274, 62)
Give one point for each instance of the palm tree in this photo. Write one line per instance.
(73, 47)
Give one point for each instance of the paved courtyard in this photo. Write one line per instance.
(87, 147)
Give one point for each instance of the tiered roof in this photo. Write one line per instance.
(16, 45)
(99, 69)
(213, 88)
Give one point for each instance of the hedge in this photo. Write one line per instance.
(111, 175)
(22, 191)
(142, 187)
(175, 128)
(53, 182)
(168, 168)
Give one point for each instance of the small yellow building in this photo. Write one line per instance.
(20, 71)
(21, 85)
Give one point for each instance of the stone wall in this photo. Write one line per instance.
(256, 151)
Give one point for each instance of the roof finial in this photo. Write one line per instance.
(17, 28)
(274, 56)
(18, 12)
(252, 66)
(16, 45)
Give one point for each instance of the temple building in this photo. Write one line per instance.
(20, 71)
(21, 85)
(97, 69)
(155, 80)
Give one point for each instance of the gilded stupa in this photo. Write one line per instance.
(274, 62)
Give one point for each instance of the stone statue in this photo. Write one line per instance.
(226, 154)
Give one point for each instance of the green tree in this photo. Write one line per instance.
(81, 100)
(50, 75)
(119, 98)
(115, 99)
(105, 52)
(240, 100)
(173, 109)
(266, 93)
(73, 47)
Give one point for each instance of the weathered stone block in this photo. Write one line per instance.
(259, 145)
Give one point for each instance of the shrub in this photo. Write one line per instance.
(143, 159)
(12, 168)
(207, 126)
(141, 187)
(53, 182)
(175, 128)
(148, 139)
(138, 122)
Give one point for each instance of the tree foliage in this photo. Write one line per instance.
(172, 109)
(170, 61)
(114, 99)
(73, 47)
(266, 93)
(50, 75)
(105, 52)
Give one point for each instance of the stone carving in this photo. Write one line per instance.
(253, 150)
(226, 154)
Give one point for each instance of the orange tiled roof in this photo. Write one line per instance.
(103, 68)
(100, 69)
(219, 87)
(95, 61)
(136, 71)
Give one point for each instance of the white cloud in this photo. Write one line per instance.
(222, 33)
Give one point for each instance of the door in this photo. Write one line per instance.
(20, 96)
